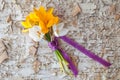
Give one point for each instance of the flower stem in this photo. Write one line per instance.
(59, 54)
(47, 36)
(62, 61)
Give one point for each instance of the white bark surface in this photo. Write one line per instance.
(95, 27)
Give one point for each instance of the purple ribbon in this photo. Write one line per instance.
(54, 46)
(85, 51)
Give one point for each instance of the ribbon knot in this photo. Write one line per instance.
(53, 45)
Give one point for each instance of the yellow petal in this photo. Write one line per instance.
(48, 18)
(28, 18)
(44, 29)
(50, 11)
(56, 20)
(26, 24)
(53, 21)
(42, 11)
(33, 16)
(41, 24)
(36, 12)
(31, 20)
(50, 23)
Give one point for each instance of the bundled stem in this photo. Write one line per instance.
(62, 61)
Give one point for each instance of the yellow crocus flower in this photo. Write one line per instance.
(42, 18)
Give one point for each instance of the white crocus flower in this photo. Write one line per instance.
(35, 33)
(59, 31)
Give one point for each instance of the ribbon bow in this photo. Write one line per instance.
(54, 46)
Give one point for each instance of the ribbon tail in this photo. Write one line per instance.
(71, 65)
(67, 58)
(85, 51)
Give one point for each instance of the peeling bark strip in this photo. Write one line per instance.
(9, 19)
(36, 66)
(76, 10)
(117, 17)
(3, 52)
(33, 51)
(112, 8)
(88, 8)
(34, 48)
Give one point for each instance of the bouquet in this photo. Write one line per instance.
(42, 24)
